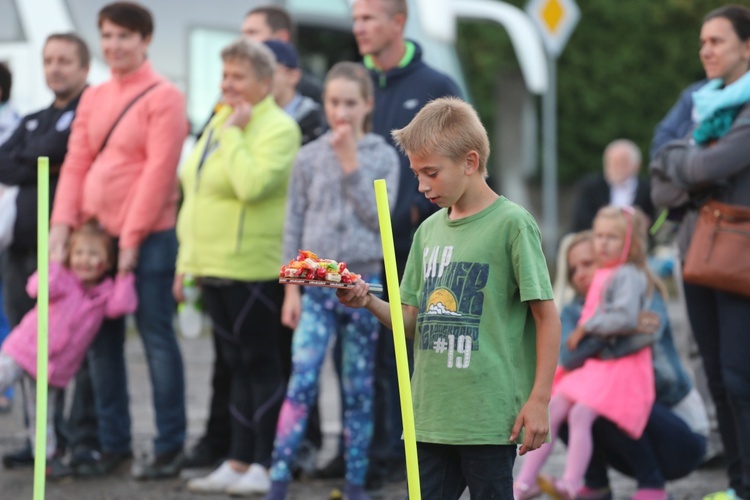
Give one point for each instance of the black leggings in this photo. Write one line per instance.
(246, 322)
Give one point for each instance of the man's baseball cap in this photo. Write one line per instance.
(285, 53)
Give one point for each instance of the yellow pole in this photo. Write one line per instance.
(399, 340)
(42, 304)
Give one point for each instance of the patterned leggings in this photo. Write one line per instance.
(322, 315)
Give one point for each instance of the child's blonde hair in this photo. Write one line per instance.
(448, 127)
(358, 74)
(92, 229)
(635, 230)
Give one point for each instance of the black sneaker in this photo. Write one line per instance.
(19, 458)
(203, 456)
(335, 469)
(107, 464)
(160, 467)
(57, 469)
(81, 456)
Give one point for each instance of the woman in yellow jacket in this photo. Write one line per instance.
(230, 233)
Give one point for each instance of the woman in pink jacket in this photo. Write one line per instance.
(121, 166)
(80, 297)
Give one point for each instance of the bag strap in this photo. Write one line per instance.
(122, 113)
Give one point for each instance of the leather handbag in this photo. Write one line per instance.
(719, 252)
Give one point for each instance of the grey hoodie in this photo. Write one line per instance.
(335, 215)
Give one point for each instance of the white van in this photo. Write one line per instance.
(190, 33)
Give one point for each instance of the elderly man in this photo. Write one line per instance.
(618, 184)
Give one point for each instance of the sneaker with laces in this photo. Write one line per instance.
(162, 466)
(22, 457)
(107, 464)
(252, 482)
(216, 482)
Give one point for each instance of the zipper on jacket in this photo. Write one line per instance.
(240, 230)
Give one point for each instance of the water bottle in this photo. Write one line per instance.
(189, 315)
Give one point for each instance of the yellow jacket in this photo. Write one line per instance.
(234, 185)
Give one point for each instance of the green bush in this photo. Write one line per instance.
(622, 69)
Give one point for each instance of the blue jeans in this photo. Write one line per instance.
(154, 275)
(720, 326)
(446, 470)
(667, 450)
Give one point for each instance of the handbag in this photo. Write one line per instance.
(8, 195)
(719, 252)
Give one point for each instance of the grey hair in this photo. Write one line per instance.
(633, 149)
(260, 57)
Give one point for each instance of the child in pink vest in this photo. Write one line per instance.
(620, 388)
(80, 297)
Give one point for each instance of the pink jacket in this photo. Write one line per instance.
(75, 315)
(131, 188)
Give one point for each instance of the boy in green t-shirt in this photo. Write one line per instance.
(477, 299)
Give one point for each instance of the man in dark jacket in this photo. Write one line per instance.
(44, 133)
(269, 22)
(403, 85)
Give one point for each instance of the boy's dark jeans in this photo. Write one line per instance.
(446, 470)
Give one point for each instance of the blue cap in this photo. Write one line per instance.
(285, 53)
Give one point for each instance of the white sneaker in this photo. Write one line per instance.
(254, 481)
(216, 482)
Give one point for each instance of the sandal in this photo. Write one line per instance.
(557, 489)
(523, 491)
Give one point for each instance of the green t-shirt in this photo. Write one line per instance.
(475, 341)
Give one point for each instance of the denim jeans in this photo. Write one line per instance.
(720, 326)
(667, 450)
(446, 470)
(154, 275)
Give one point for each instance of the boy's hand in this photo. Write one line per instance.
(359, 296)
(575, 338)
(535, 419)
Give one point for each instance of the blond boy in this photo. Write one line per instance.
(477, 299)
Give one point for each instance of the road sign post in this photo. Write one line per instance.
(556, 20)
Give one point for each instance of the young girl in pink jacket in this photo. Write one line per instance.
(80, 297)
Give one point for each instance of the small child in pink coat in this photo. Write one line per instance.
(80, 297)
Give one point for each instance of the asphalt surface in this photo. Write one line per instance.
(18, 484)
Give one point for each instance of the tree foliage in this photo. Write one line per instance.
(622, 69)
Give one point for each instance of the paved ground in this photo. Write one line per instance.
(18, 484)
